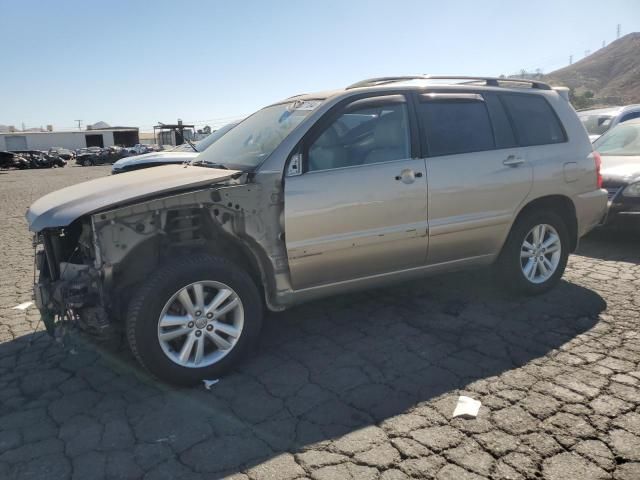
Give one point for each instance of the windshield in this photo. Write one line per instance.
(596, 124)
(249, 143)
(207, 141)
(623, 140)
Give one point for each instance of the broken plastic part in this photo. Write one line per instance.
(49, 320)
(209, 383)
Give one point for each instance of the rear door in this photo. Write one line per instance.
(360, 206)
(477, 174)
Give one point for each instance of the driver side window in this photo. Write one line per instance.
(362, 135)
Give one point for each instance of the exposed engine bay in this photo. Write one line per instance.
(88, 270)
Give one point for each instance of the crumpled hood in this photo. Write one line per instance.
(60, 208)
(155, 157)
(623, 169)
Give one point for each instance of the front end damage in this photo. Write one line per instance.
(68, 279)
(88, 270)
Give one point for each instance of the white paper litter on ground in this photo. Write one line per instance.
(23, 306)
(466, 407)
(209, 383)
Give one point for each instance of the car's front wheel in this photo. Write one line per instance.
(535, 254)
(194, 319)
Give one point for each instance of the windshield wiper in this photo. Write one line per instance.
(215, 165)
(191, 144)
(204, 163)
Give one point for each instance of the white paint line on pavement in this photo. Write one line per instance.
(23, 306)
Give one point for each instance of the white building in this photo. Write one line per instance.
(72, 140)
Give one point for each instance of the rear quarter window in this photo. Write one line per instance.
(533, 119)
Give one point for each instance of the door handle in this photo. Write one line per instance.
(513, 161)
(408, 176)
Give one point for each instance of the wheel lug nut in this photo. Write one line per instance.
(209, 315)
(209, 328)
(198, 333)
(190, 324)
(198, 313)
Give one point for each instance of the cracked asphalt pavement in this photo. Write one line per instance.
(356, 387)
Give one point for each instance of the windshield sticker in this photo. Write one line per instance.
(304, 105)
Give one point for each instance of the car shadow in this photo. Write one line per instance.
(321, 371)
(612, 244)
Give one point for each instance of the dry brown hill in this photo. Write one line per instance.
(612, 73)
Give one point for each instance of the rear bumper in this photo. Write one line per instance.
(591, 210)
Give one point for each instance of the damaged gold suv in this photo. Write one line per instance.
(383, 181)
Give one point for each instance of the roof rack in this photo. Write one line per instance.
(488, 81)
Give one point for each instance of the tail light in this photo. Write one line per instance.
(598, 160)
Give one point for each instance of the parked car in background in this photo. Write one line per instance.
(90, 156)
(317, 195)
(13, 160)
(620, 152)
(63, 153)
(598, 121)
(139, 149)
(180, 154)
(40, 159)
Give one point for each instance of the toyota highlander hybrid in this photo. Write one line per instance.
(384, 181)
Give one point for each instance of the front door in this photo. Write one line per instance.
(360, 206)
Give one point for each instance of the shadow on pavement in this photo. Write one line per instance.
(321, 371)
(619, 245)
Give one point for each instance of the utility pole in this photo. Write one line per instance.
(570, 59)
(79, 124)
(618, 30)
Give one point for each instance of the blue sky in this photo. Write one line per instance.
(140, 62)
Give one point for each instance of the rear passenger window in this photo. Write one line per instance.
(533, 119)
(455, 126)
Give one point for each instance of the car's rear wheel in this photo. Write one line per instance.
(87, 163)
(535, 254)
(194, 319)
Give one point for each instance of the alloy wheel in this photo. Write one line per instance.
(540, 253)
(200, 324)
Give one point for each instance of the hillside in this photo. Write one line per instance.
(612, 73)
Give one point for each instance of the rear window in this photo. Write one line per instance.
(533, 119)
(456, 126)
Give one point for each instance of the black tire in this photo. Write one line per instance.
(508, 266)
(87, 163)
(148, 302)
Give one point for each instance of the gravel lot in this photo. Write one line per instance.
(362, 386)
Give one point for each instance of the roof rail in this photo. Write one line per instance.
(488, 81)
(370, 82)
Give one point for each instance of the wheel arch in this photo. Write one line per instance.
(559, 204)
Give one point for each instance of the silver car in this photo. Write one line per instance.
(600, 120)
(177, 155)
(320, 194)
